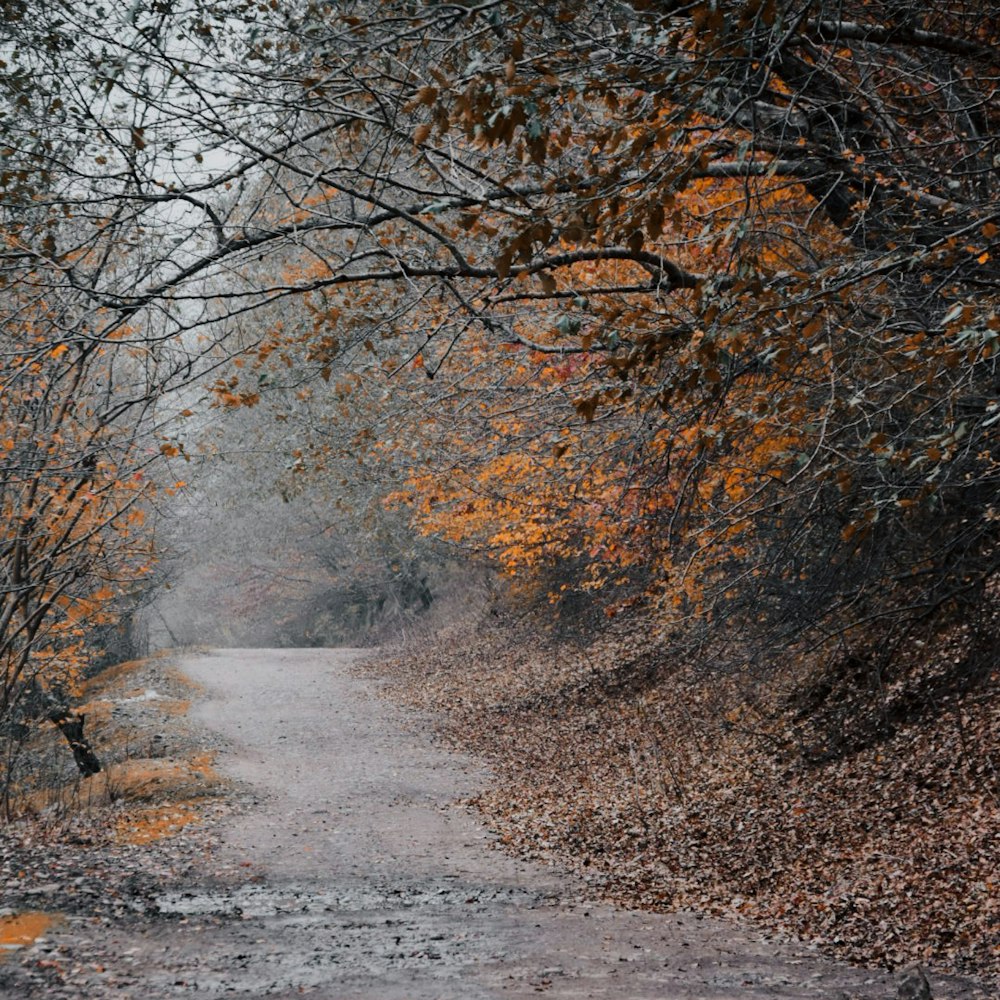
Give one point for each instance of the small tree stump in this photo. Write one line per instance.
(71, 727)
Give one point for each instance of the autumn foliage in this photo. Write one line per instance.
(680, 318)
(689, 309)
(72, 539)
(699, 305)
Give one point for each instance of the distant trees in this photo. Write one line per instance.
(282, 537)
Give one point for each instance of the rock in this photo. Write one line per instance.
(913, 985)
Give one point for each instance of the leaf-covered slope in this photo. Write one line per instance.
(666, 788)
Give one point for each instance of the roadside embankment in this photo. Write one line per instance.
(666, 787)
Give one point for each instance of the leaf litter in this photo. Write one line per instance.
(666, 788)
(103, 849)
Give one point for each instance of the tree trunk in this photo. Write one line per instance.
(71, 727)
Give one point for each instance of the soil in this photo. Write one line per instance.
(348, 864)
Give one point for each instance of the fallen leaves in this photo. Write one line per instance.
(18, 930)
(664, 788)
(97, 844)
(143, 826)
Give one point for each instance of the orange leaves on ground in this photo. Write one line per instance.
(19, 930)
(155, 823)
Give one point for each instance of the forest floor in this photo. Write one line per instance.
(864, 821)
(268, 825)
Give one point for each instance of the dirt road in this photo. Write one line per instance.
(353, 873)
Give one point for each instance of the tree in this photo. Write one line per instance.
(766, 230)
(82, 435)
(750, 245)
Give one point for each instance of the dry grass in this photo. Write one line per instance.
(148, 779)
(115, 675)
(131, 711)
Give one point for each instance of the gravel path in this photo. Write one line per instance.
(353, 872)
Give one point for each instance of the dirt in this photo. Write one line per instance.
(353, 869)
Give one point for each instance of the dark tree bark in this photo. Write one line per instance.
(71, 727)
